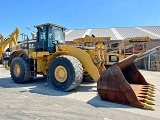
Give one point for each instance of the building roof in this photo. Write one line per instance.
(115, 33)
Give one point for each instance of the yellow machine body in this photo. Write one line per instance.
(45, 58)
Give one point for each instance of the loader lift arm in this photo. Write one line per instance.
(11, 41)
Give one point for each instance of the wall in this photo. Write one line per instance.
(152, 44)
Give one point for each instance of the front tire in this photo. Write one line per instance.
(20, 70)
(65, 73)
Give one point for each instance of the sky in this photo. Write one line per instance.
(77, 14)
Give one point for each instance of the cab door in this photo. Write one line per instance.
(51, 37)
(42, 39)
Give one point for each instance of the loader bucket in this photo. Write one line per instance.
(123, 83)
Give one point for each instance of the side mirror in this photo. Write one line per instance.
(54, 41)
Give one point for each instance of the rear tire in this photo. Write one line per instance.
(20, 70)
(72, 73)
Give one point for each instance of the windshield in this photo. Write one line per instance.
(55, 33)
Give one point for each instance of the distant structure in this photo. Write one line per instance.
(118, 34)
(151, 61)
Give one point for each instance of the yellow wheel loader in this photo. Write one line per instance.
(9, 42)
(65, 65)
(113, 51)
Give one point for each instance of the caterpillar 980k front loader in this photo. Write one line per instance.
(64, 65)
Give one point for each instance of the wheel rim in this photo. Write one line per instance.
(60, 74)
(16, 70)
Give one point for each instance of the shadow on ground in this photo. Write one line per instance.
(97, 102)
(41, 86)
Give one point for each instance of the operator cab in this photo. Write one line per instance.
(48, 35)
